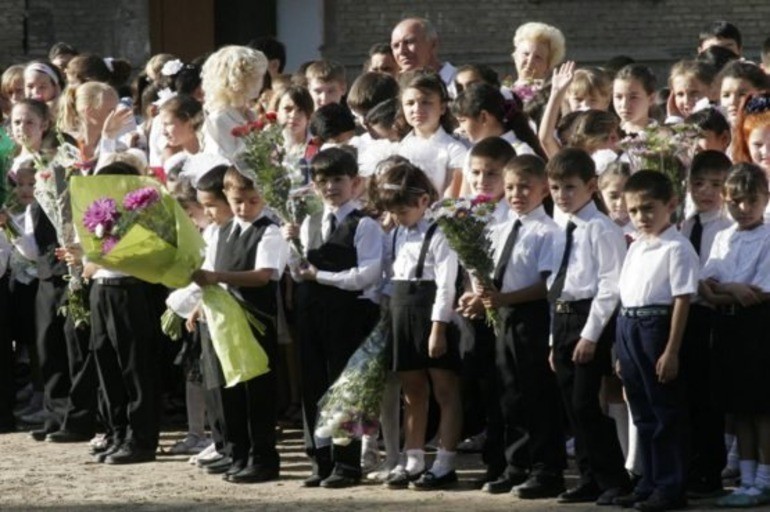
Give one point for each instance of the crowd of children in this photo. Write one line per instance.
(632, 315)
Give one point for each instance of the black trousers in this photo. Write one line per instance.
(706, 455)
(21, 324)
(533, 422)
(80, 414)
(597, 449)
(126, 351)
(7, 391)
(213, 382)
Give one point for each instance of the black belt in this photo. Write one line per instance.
(118, 281)
(574, 307)
(645, 311)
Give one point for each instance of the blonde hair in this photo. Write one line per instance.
(10, 75)
(89, 94)
(546, 34)
(591, 82)
(325, 71)
(592, 129)
(231, 75)
(155, 64)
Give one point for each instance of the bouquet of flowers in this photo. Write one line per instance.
(464, 223)
(7, 204)
(130, 224)
(350, 408)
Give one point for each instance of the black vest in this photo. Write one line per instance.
(338, 253)
(48, 265)
(238, 255)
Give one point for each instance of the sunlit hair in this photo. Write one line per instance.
(401, 184)
(592, 83)
(754, 113)
(526, 165)
(704, 73)
(592, 129)
(546, 34)
(746, 180)
(428, 82)
(234, 180)
(232, 77)
(185, 108)
(87, 95)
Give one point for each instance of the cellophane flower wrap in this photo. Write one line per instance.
(464, 223)
(132, 225)
(350, 408)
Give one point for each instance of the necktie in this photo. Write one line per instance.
(696, 235)
(236, 232)
(505, 255)
(332, 225)
(558, 283)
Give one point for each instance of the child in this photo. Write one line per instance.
(424, 104)
(421, 270)
(659, 275)
(30, 121)
(250, 256)
(11, 88)
(690, 81)
(597, 133)
(477, 73)
(707, 450)
(715, 130)
(368, 91)
(611, 183)
(344, 251)
(7, 390)
(736, 81)
(534, 439)
(735, 280)
(381, 60)
(584, 295)
(721, 33)
(181, 117)
(633, 94)
(295, 106)
(752, 132)
(326, 82)
(44, 82)
(332, 125)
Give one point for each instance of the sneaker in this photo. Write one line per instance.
(474, 444)
(190, 445)
(207, 451)
(98, 441)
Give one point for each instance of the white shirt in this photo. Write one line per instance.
(184, 300)
(740, 257)
(440, 265)
(217, 132)
(448, 73)
(594, 266)
(437, 156)
(532, 252)
(368, 241)
(657, 269)
(713, 223)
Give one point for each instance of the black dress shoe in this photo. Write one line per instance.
(583, 493)
(660, 503)
(504, 484)
(39, 434)
(399, 478)
(540, 486)
(65, 436)
(235, 467)
(131, 455)
(111, 448)
(219, 467)
(254, 474)
(608, 496)
(429, 482)
(313, 481)
(335, 481)
(631, 499)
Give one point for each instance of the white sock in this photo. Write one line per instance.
(762, 479)
(444, 463)
(619, 413)
(748, 472)
(732, 451)
(415, 461)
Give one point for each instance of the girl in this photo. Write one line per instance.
(43, 81)
(596, 133)
(590, 89)
(424, 101)
(690, 81)
(421, 269)
(29, 124)
(736, 81)
(735, 279)
(181, 118)
(752, 133)
(11, 88)
(611, 183)
(633, 93)
(294, 108)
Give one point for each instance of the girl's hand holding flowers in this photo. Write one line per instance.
(290, 231)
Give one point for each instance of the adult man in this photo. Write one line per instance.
(415, 45)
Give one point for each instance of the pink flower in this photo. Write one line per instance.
(109, 243)
(141, 199)
(481, 199)
(102, 212)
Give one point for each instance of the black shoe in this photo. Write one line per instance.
(399, 478)
(429, 482)
(111, 448)
(335, 481)
(629, 500)
(65, 436)
(313, 481)
(254, 475)
(219, 467)
(39, 434)
(583, 493)
(541, 486)
(500, 486)
(235, 467)
(131, 455)
(659, 503)
(608, 496)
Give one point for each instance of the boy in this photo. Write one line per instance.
(715, 130)
(249, 257)
(584, 294)
(326, 82)
(707, 448)
(336, 303)
(332, 125)
(721, 33)
(659, 276)
(381, 60)
(533, 436)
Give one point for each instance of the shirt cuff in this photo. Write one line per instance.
(325, 277)
(591, 331)
(441, 314)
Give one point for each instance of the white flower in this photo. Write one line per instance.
(342, 441)
(99, 231)
(172, 67)
(323, 432)
(163, 96)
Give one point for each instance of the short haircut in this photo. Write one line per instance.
(538, 32)
(326, 71)
(383, 114)
(717, 56)
(721, 29)
(709, 119)
(272, 48)
(118, 169)
(331, 120)
(213, 182)
(380, 49)
(371, 89)
(235, 180)
(746, 180)
(528, 165)
(709, 161)
(61, 48)
(652, 184)
(340, 161)
(494, 148)
(571, 163)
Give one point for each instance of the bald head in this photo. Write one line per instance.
(415, 45)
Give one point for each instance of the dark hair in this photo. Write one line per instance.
(92, 68)
(184, 193)
(571, 163)
(301, 98)
(380, 49)
(235, 180)
(653, 184)
(530, 165)
(188, 79)
(703, 72)
(485, 73)
(213, 182)
(566, 125)
(746, 180)
(60, 81)
(616, 169)
(402, 184)
(494, 148)
(371, 89)
(185, 108)
(616, 63)
(118, 169)
(428, 82)
(330, 121)
(709, 161)
(709, 119)
(340, 161)
(745, 71)
(272, 48)
(641, 74)
(384, 114)
(38, 107)
(592, 129)
(717, 56)
(721, 29)
(59, 49)
(484, 97)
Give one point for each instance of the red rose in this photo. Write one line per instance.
(271, 117)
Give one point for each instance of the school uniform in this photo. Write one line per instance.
(656, 270)
(529, 399)
(336, 313)
(249, 407)
(436, 156)
(583, 290)
(422, 271)
(707, 455)
(741, 349)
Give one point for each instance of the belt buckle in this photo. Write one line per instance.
(563, 307)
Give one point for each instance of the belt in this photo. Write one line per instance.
(575, 307)
(118, 281)
(645, 311)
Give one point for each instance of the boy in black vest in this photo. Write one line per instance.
(250, 257)
(336, 303)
